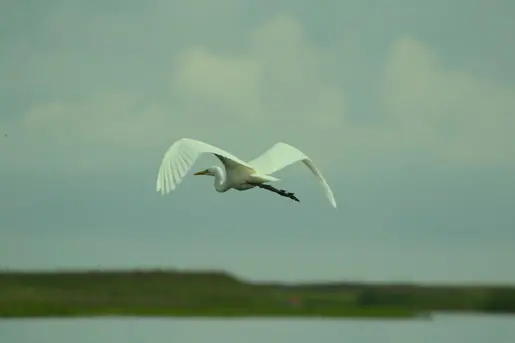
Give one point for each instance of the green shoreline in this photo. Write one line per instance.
(217, 294)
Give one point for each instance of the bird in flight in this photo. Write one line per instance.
(239, 175)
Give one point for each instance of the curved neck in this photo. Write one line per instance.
(220, 180)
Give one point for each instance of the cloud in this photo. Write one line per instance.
(452, 115)
(87, 134)
(272, 90)
(277, 85)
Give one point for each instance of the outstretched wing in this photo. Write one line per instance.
(181, 156)
(282, 155)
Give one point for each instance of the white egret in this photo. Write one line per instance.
(238, 174)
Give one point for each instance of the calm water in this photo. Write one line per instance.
(442, 329)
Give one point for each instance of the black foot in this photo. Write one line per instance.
(281, 192)
(288, 195)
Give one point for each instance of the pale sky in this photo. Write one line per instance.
(408, 108)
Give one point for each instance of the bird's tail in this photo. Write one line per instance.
(264, 177)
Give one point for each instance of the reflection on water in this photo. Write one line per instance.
(441, 329)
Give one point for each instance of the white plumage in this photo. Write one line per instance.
(240, 175)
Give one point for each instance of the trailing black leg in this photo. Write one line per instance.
(281, 192)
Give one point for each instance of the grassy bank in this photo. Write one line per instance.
(212, 294)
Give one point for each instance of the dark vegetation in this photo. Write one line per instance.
(178, 293)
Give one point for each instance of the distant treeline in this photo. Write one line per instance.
(212, 293)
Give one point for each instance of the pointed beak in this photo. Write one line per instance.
(203, 172)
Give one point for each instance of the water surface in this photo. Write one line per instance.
(441, 329)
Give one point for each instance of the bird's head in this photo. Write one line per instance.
(208, 171)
